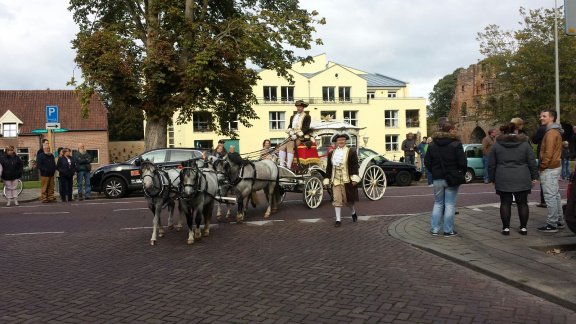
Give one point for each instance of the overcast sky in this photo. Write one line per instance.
(416, 41)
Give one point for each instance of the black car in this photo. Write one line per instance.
(398, 173)
(119, 179)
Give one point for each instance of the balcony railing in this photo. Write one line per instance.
(313, 100)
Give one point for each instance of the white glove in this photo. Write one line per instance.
(300, 133)
(293, 137)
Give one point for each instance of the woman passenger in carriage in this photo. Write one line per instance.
(300, 127)
(268, 152)
(343, 175)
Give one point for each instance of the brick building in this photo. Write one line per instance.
(23, 122)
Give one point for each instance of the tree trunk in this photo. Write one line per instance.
(155, 135)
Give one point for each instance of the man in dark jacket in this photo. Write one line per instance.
(409, 148)
(445, 155)
(47, 166)
(83, 167)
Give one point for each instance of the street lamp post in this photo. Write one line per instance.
(556, 61)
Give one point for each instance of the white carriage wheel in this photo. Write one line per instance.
(374, 182)
(313, 192)
(19, 188)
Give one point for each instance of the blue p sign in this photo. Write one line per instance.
(51, 114)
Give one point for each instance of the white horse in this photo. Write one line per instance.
(247, 177)
(226, 188)
(161, 190)
(198, 189)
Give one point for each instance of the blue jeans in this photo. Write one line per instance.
(444, 205)
(83, 177)
(565, 169)
(429, 176)
(549, 181)
(485, 161)
(409, 159)
(422, 167)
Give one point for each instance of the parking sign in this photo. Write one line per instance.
(570, 17)
(52, 114)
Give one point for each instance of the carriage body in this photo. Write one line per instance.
(308, 180)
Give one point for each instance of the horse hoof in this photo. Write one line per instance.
(266, 216)
(178, 228)
(190, 242)
(161, 235)
(206, 234)
(219, 218)
(152, 242)
(171, 227)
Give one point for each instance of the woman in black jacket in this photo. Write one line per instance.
(445, 155)
(512, 168)
(11, 167)
(66, 168)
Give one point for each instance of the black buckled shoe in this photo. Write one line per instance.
(354, 217)
(337, 224)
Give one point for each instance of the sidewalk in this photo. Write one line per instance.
(518, 260)
(29, 195)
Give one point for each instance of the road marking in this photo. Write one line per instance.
(34, 233)
(127, 209)
(260, 223)
(46, 213)
(311, 220)
(135, 228)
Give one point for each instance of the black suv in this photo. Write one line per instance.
(119, 179)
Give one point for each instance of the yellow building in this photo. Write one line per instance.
(379, 104)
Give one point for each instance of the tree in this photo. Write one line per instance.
(523, 65)
(168, 56)
(441, 96)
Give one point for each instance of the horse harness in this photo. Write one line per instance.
(166, 187)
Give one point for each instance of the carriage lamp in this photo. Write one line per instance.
(365, 139)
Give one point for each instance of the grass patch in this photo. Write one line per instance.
(27, 185)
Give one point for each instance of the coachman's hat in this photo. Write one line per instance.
(301, 103)
(338, 135)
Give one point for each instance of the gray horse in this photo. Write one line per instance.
(198, 189)
(161, 190)
(247, 177)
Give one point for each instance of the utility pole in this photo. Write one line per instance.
(556, 61)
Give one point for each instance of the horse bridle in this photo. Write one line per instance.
(161, 175)
(187, 166)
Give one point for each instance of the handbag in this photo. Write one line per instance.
(453, 177)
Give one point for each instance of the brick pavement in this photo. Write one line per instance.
(284, 272)
(517, 260)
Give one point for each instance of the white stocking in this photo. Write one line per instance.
(353, 209)
(338, 211)
(290, 158)
(282, 156)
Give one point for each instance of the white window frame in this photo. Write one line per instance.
(392, 144)
(329, 94)
(351, 117)
(287, 94)
(277, 120)
(344, 94)
(391, 121)
(371, 95)
(270, 93)
(392, 94)
(12, 130)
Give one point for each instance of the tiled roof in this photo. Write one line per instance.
(379, 80)
(30, 106)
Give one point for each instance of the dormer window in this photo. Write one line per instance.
(9, 130)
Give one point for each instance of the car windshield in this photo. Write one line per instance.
(366, 153)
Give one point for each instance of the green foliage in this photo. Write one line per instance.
(523, 67)
(169, 56)
(441, 96)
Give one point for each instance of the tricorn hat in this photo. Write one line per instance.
(301, 103)
(338, 135)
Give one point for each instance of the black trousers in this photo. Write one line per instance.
(66, 188)
(506, 199)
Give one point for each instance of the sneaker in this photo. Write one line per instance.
(506, 231)
(337, 224)
(523, 231)
(548, 229)
(8, 203)
(434, 233)
(453, 233)
(430, 185)
(560, 225)
(16, 202)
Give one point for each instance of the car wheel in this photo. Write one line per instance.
(469, 176)
(403, 178)
(114, 187)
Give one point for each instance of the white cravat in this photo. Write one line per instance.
(338, 156)
(296, 121)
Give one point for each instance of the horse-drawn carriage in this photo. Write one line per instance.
(201, 182)
(307, 173)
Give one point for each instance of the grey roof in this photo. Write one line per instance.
(379, 80)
